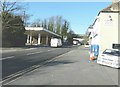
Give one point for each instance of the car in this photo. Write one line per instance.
(75, 42)
(87, 45)
(110, 57)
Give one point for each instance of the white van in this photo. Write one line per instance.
(55, 42)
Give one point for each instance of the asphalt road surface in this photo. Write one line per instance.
(14, 62)
(71, 68)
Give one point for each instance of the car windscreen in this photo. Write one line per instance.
(112, 52)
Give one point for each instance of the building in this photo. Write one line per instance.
(39, 36)
(105, 29)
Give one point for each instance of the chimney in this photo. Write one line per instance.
(115, 1)
(115, 7)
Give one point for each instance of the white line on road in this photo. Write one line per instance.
(51, 50)
(38, 52)
(33, 53)
(30, 48)
(7, 58)
(33, 68)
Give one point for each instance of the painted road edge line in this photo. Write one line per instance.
(19, 74)
(10, 57)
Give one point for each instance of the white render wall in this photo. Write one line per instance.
(119, 29)
(96, 30)
(108, 30)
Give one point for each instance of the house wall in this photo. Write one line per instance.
(108, 30)
(96, 29)
(119, 29)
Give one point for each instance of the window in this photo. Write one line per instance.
(112, 52)
(116, 46)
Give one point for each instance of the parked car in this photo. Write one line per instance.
(87, 45)
(110, 57)
(75, 42)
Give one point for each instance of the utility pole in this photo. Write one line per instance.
(24, 19)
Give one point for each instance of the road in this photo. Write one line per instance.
(71, 68)
(17, 61)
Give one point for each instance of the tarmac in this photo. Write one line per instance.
(72, 68)
(13, 49)
(6, 50)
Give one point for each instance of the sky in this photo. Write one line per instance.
(80, 14)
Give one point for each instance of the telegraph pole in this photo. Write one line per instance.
(24, 19)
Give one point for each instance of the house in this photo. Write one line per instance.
(105, 29)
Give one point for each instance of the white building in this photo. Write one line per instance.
(106, 27)
(39, 36)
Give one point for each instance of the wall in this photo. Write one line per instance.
(96, 29)
(119, 29)
(108, 30)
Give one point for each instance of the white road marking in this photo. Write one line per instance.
(30, 48)
(52, 50)
(7, 58)
(38, 52)
(29, 70)
(33, 53)
(10, 57)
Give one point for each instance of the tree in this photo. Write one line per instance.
(51, 24)
(25, 17)
(86, 39)
(7, 8)
(37, 23)
(45, 24)
(65, 28)
(70, 36)
(12, 25)
(58, 24)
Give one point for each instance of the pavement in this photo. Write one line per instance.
(72, 68)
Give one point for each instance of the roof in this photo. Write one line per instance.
(41, 30)
(114, 7)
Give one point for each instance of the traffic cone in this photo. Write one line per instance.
(91, 56)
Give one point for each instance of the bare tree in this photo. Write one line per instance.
(37, 23)
(51, 24)
(12, 24)
(58, 24)
(8, 8)
(45, 24)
